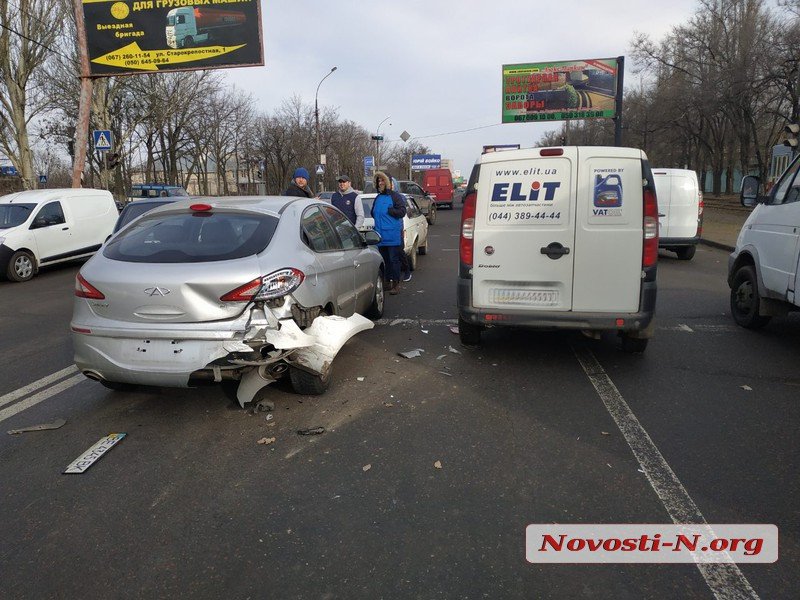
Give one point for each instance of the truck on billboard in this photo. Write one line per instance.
(557, 91)
(189, 26)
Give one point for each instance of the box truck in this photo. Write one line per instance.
(188, 26)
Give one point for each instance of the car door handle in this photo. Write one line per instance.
(661, 215)
(64, 228)
(554, 250)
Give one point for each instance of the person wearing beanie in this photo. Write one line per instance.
(299, 185)
(388, 211)
(346, 200)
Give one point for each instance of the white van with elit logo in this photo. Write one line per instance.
(680, 211)
(560, 238)
(46, 227)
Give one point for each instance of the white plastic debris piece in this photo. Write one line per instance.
(412, 353)
(605, 433)
(93, 454)
(454, 329)
(366, 468)
(424, 330)
(453, 350)
(446, 373)
(608, 465)
(360, 378)
(270, 416)
(746, 388)
(640, 471)
(441, 356)
(438, 464)
(43, 427)
(396, 322)
(266, 441)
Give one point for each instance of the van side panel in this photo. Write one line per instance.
(94, 217)
(523, 206)
(608, 233)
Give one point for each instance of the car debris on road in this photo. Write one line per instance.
(42, 427)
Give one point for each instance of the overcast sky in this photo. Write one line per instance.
(435, 66)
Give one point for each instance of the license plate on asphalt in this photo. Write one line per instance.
(522, 297)
(93, 454)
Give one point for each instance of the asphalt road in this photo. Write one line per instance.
(190, 505)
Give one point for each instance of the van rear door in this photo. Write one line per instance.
(663, 181)
(525, 231)
(608, 232)
(683, 204)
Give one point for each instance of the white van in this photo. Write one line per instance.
(45, 227)
(560, 238)
(680, 211)
(764, 268)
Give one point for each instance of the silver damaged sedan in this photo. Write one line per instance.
(246, 289)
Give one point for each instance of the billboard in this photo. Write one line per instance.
(171, 35)
(424, 162)
(556, 91)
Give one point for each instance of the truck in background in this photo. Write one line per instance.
(188, 26)
(439, 183)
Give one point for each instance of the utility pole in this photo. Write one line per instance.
(320, 184)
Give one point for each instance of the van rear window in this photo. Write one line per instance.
(192, 237)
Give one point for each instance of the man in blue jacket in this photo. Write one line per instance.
(346, 201)
(388, 211)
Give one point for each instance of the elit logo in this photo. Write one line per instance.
(501, 192)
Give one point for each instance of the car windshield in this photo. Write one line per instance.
(134, 210)
(193, 237)
(12, 215)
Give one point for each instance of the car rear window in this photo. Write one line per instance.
(193, 237)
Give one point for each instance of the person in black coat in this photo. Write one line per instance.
(299, 185)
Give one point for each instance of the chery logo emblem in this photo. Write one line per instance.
(156, 291)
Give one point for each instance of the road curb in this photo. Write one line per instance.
(719, 245)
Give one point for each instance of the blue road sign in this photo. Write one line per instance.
(102, 139)
(42, 178)
(424, 162)
(369, 162)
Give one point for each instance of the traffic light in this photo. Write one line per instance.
(112, 160)
(792, 131)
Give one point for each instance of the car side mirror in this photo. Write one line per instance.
(371, 237)
(751, 185)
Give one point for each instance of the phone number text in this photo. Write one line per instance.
(508, 216)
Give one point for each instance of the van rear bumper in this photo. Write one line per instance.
(677, 242)
(596, 321)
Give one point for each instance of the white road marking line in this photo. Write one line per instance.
(39, 383)
(393, 322)
(41, 396)
(725, 580)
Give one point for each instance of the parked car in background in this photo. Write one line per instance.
(244, 289)
(439, 183)
(764, 268)
(326, 196)
(46, 227)
(136, 209)
(680, 211)
(422, 198)
(156, 190)
(415, 228)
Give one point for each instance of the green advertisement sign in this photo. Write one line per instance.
(151, 36)
(557, 91)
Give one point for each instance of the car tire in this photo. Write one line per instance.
(307, 384)
(412, 259)
(469, 333)
(686, 252)
(21, 266)
(188, 42)
(432, 215)
(745, 300)
(423, 250)
(375, 310)
(632, 345)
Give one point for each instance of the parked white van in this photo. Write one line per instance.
(680, 211)
(45, 227)
(560, 238)
(764, 268)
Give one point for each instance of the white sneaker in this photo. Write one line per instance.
(407, 277)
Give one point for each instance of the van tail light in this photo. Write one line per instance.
(84, 289)
(467, 243)
(700, 207)
(650, 227)
(276, 284)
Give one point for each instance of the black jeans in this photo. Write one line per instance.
(391, 257)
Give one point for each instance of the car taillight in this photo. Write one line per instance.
(700, 207)
(268, 287)
(84, 289)
(650, 227)
(467, 243)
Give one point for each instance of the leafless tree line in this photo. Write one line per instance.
(715, 93)
(167, 128)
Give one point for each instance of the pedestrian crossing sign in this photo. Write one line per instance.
(102, 139)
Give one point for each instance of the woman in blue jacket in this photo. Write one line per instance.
(388, 211)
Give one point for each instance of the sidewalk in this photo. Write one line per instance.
(722, 220)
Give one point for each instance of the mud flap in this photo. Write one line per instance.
(330, 334)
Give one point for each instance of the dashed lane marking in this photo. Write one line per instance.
(41, 396)
(39, 383)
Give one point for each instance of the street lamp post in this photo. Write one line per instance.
(316, 118)
(378, 143)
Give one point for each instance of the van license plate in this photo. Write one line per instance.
(522, 297)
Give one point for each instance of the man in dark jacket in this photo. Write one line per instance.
(388, 211)
(346, 200)
(299, 185)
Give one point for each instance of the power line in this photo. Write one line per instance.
(422, 137)
(46, 47)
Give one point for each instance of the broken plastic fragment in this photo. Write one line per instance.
(746, 388)
(366, 468)
(438, 464)
(43, 427)
(411, 353)
(360, 378)
(454, 329)
(446, 373)
(266, 441)
(311, 431)
(453, 350)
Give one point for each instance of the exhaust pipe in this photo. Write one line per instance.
(93, 375)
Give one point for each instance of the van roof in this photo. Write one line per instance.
(534, 153)
(37, 196)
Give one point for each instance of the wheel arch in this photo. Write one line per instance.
(748, 258)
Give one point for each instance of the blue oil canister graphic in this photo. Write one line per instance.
(607, 191)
